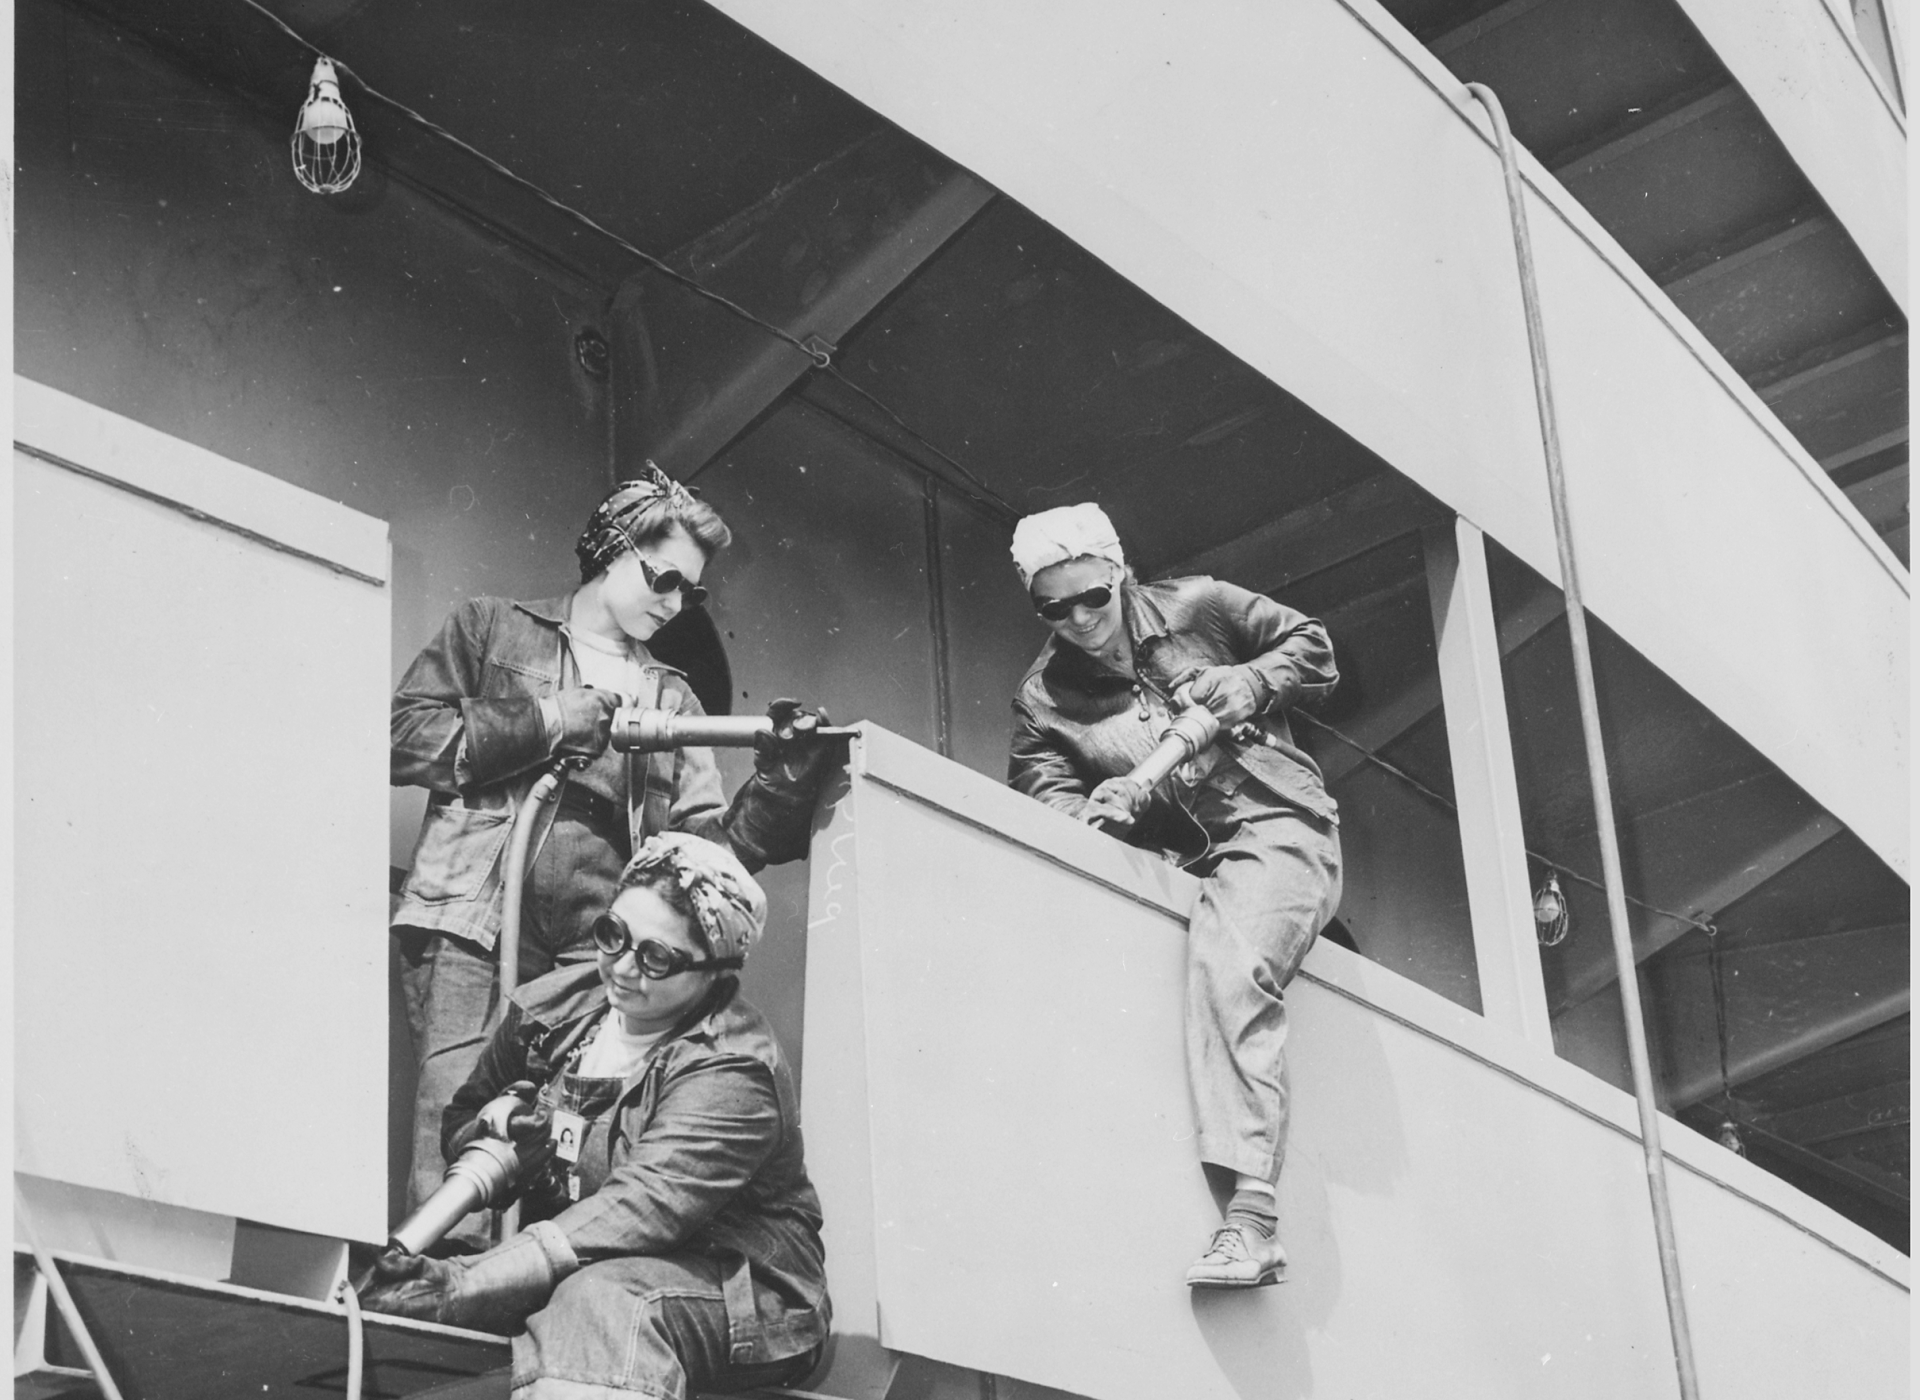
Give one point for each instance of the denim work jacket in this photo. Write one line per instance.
(467, 726)
(1077, 722)
(700, 1153)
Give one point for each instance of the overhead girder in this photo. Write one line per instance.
(1381, 724)
(1697, 858)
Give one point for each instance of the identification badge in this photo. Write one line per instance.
(568, 1129)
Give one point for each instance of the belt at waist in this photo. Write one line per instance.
(596, 810)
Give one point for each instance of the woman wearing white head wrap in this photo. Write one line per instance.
(1250, 816)
(673, 1243)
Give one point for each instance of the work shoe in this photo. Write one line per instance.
(1239, 1256)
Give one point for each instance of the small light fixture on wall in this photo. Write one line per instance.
(326, 146)
(1550, 912)
(1730, 1138)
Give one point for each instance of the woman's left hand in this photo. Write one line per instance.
(493, 1291)
(1229, 691)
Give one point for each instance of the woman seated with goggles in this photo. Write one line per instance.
(674, 1238)
(1249, 815)
(505, 691)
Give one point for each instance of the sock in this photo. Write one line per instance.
(1254, 1208)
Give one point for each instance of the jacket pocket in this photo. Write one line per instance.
(502, 679)
(458, 849)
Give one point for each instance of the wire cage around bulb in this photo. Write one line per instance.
(1550, 912)
(326, 144)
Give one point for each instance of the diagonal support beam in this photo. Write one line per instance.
(1785, 1001)
(814, 259)
(1884, 1192)
(1569, 166)
(1704, 893)
(1702, 1081)
(1884, 1106)
(1330, 531)
(1383, 723)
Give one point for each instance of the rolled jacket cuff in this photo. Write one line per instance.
(497, 1291)
(553, 1242)
(1281, 688)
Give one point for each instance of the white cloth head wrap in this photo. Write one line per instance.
(731, 906)
(1066, 532)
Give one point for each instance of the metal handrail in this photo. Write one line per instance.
(1610, 870)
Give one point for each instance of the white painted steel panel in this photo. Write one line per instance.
(149, 462)
(200, 749)
(1006, 1163)
(1317, 193)
(1803, 65)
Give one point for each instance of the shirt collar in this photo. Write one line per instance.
(1140, 614)
(552, 611)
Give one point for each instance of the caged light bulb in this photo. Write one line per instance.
(326, 147)
(1550, 912)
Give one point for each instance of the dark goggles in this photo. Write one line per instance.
(1060, 609)
(667, 580)
(657, 961)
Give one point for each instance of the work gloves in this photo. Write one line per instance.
(494, 1291)
(519, 1116)
(1235, 694)
(771, 819)
(1114, 805)
(792, 755)
(505, 737)
(586, 721)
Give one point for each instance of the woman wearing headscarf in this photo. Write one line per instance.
(503, 692)
(673, 1238)
(1250, 816)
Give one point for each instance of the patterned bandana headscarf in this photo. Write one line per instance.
(609, 529)
(729, 903)
(1066, 532)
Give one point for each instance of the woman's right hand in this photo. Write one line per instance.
(586, 721)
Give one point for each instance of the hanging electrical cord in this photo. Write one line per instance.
(992, 496)
(356, 1339)
(813, 348)
(1730, 1128)
(1638, 1061)
(1552, 865)
(819, 356)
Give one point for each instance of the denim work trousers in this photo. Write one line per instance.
(452, 994)
(1271, 881)
(651, 1325)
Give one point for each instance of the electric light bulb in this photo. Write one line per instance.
(326, 146)
(1550, 912)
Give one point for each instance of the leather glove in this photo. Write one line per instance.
(494, 1291)
(771, 819)
(586, 721)
(515, 1115)
(1234, 693)
(1114, 805)
(523, 1120)
(792, 755)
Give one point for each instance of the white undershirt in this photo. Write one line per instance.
(605, 664)
(615, 1052)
